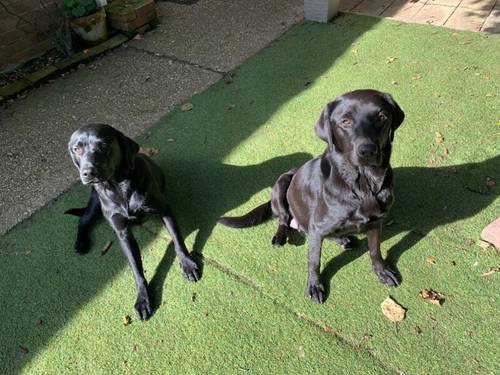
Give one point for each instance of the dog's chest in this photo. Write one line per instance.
(128, 205)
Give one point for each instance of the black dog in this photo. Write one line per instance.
(348, 189)
(126, 186)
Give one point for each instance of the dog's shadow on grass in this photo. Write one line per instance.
(427, 198)
(214, 189)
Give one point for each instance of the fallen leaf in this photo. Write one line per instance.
(431, 260)
(301, 353)
(432, 296)
(490, 95)
(230, 107)
(138, 37)
(394, 82)
(439, 138)
(135, 348)
(23, 349)
(354, 51)
(326, 328)
(491, 271)
(390, 59)
(417, 77)
(392, 310)
(187, 107)
(483, 244)
(126, 320)
(228, 77)
(106, 247)
(490, 182)
(149, 151)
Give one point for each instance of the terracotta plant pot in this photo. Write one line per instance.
(92, 28)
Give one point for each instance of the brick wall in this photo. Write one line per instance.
(23, 28)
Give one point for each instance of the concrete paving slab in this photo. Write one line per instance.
(127, 88)
(467, 19)
(130, 88)
(492, 23)
(220, 34)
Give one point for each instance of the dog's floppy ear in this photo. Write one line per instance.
(323, 127)
(397, 113)
(71, 153)
(129, 150)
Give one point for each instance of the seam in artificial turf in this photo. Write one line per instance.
(296, 314)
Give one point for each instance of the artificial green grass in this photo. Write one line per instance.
(249, 313)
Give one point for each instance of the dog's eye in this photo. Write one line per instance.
(78, 150)
(346, 122)
(381, 117)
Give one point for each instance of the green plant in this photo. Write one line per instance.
(79, 8)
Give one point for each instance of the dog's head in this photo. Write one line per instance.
(102, 153)
(361, 125)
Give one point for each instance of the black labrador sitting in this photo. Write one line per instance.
(126, 186)
(348, 189)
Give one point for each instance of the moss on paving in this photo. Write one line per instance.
(249, 314)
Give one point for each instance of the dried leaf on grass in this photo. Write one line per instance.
(106, 247)
(326, 328)
(187, 107)
(431, 260)
(23, 349)
(483, 244)
(126, 320)
(439, 137)
(491, 271)
(392, 310)
(490, 182)
(149, 151)
(432, 296)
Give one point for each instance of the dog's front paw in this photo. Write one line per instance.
(82, 245)
(386, 276)
(279, 240)
(143, 307)
(190, 270)
(316, 292)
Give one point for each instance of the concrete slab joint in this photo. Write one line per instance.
(321, 10)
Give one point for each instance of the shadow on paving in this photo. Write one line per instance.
(44, 282)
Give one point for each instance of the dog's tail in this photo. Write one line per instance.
(256, 216)
(76, 211)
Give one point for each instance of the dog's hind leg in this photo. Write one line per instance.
(279, 205)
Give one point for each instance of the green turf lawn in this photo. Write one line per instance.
(62, 314)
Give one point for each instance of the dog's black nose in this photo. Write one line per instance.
(367, 150)
(89, 173)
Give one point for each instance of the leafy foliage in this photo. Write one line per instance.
(79, 8)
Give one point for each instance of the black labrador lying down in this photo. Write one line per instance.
(126, 186)
(348, 189)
